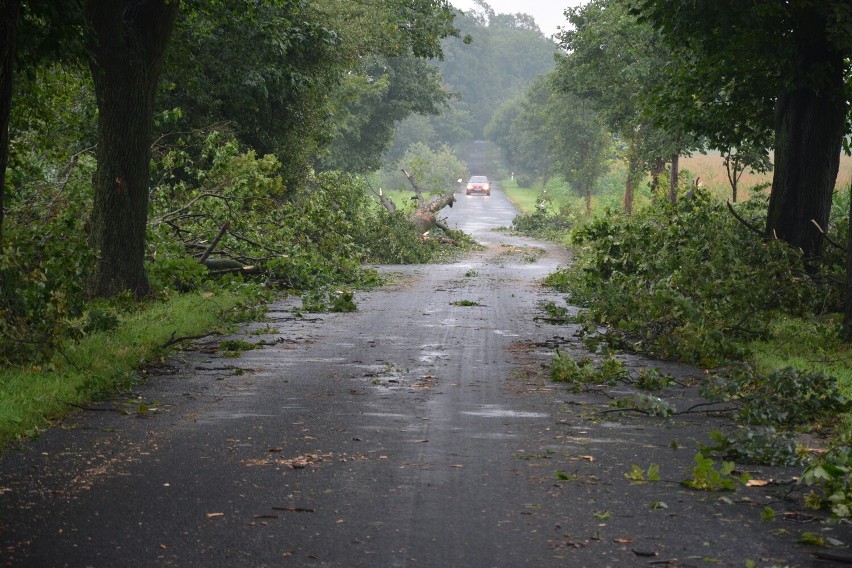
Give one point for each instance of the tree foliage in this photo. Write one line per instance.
(506, 53)
(373, 102)
(740, 71)
(262, 68)
(245, 111)
(615, 63)
(689, 282)
(550, 132)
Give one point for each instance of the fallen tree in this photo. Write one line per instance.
(425, 216)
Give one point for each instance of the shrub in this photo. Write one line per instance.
(524, 180)
(544, 221)
(41, 294)
(785, 398)
(687, 282)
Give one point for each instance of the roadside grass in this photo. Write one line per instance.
(106, 362)
(811, 345)
(523, 198)
(609, 195)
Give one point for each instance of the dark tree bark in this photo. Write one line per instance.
(656, 170)
(734, 171)
(847, 312)
(634, 166)
(809, 122)
(126, 43)
(673, 180)
(9, 12)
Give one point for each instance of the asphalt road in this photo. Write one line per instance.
(421, 430)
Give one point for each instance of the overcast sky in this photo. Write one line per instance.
(548, 14)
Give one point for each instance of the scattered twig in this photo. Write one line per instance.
(240, 237)
(241, 269)
(833, 556)
(748, 225)
(694, 406)
(215, 242)
(705, 411)
(829, 239)
(172, 340)
(189, 204)
(91, 408)
(631, 409)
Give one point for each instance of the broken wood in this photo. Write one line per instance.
(215, 242)
(745, 223)
(830, 241)
(222, 264)
(426, 215)
(418, 192)
(235, 270)
(445, 240)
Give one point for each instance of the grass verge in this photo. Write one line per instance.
(104, 363)
(524, 199)
(810, 345)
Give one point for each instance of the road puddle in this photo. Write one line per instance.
(494, 411)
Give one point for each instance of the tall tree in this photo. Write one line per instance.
(264, 69)
(847, 311)
(554, 133)
(507, 53)
(754, 66)
(388, 90)
(126, 43)
(616, 63)
(581, 142)
(9, 13)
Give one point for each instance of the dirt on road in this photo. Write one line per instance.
(421, 430)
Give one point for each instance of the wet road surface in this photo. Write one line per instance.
(421, 430)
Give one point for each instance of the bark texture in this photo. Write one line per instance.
(126, 43)
(634, 170)
(847, 315)
(9, 12)
(809, 121)
(426, 216)
(673, 180)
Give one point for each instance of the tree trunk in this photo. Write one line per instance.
(9, 12)
(809, 123)
(633, 171)
(126, 44)
(426, 216)
(656, 170)
(628, 195)
(673, 181)
(847, 312)
(588, 195)
(733, 171)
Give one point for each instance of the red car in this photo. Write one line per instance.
(480, 184)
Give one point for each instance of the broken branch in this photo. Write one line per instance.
(745, 223)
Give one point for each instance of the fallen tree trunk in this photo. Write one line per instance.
(425, 217)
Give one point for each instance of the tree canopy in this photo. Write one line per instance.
(739, 71)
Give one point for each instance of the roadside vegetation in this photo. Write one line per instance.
(282, 147)
(263, 157)
(690, 234)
